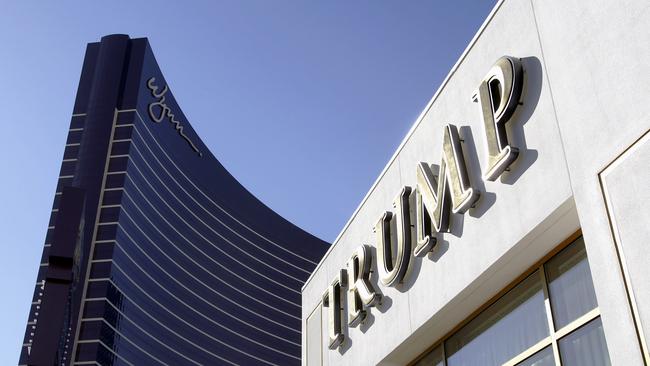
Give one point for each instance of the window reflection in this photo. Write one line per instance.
(569, 284)
(513, 324)
(541, 358)
(585, 347)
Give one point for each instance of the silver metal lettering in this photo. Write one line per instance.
(361, 293)
(392, 264)
(498, 96)
(332, 301)
(165, 111)
(436, 193)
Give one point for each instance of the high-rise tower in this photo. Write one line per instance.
(154, 253)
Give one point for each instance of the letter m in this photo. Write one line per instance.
(438, 194)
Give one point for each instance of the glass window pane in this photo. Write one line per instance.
(571, 289)
(433, 358)
(585, 347)
(511, 325)
(541, 358)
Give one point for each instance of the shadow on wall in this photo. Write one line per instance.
(533, 79)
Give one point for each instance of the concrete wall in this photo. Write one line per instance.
(583, 107)
(597, 57)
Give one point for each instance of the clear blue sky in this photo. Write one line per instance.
(304, 102)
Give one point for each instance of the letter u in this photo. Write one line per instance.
(393, 260)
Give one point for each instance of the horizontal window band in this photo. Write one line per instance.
(88, 299)
(203, 193)
(159, 323)
(114, 181)
(82, 341)
(109, 216)
(93, 319)
(209, 227)
(210, 303)
(189, 271)
(100, 280)
(206, 255)
(107, 348)
(252, 256)
(74, 137)
(131, 342)
(227, 283)
(174, 314)
(121, 132)
(118, 164)
(237, 247)
(120, 149)
(135, 165)
(206, 317)
(143, 331)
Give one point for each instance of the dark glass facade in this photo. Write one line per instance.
(155, 254)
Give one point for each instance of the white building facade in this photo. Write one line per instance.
(511, 225)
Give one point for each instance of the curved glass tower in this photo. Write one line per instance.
(155, 254)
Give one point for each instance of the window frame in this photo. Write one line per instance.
(555, 335)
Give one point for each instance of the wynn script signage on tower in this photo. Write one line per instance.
(436, 195)
(165, 111)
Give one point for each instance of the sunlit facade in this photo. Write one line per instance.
(510, 227)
